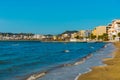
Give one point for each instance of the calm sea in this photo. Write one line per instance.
(20, 59)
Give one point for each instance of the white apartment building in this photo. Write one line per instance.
(114, 30)
(38, 36)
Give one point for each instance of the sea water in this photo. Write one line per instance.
(21, 59)
(74, 71)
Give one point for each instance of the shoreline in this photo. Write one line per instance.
(64, 73)
(43, 73)
(57, 41)
(103, 72)
(76, 63)
(90, 69)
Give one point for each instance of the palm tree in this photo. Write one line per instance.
(119, 36)
(92, 36)
(100, 37)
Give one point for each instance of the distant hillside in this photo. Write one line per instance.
(69, 32)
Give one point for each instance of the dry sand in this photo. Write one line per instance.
(109, 72)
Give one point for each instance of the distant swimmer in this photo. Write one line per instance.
(66, 51)
(92, 47)
(105, 46)
(15, 44)
(65, 43)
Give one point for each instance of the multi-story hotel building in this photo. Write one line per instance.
(100, 30)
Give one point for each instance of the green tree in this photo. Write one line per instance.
(77, 37)
(92, 36)
(119, 36)
(100, 37)
(105, 37)
(114, 37)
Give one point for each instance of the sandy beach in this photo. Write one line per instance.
(109, 72)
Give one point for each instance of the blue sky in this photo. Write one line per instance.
(56, 16)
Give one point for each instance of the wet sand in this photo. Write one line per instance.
(111, 71)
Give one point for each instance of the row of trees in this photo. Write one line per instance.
(93, 37)
(103, 37)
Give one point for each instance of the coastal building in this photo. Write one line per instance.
(16, 36)
(54, 38)
(48, 37)
(73, 40)
(59, 37)
(108, 27)
(67, 35)
(114, 30)
(98, 31)
(74, 35)
(1, 38)
(81, 33)
(87, 33)
(111, 31)
(84, 34)
(38, 37)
